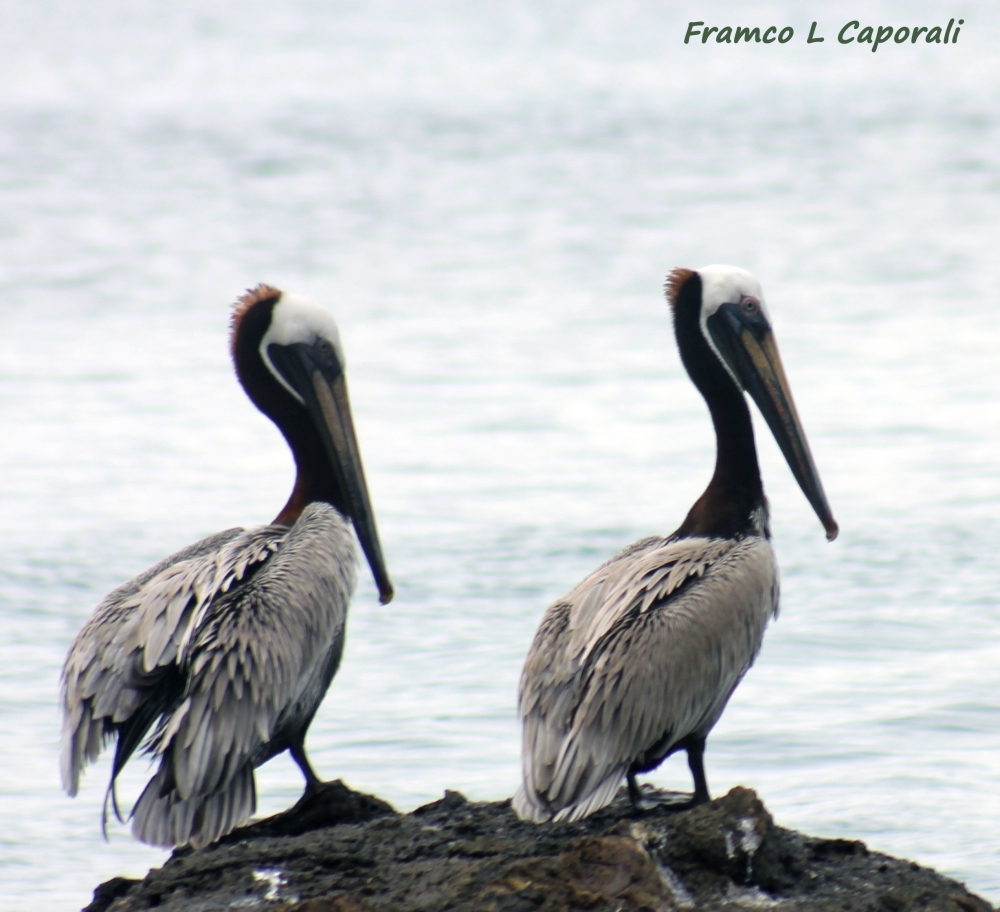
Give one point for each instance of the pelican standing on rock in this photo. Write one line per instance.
(640, 659)
(229, 646)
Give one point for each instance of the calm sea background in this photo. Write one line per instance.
(488, 196)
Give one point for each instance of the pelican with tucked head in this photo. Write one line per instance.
(640, 659)
(226, 648)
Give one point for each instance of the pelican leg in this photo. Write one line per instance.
(695, 748)
(298, 751)
(634, 792)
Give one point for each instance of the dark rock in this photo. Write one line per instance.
(109, 891)
(330, 804)
(595, 871)
(338, 851)
(452, 801)
(719, 837)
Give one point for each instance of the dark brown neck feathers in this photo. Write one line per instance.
(732, 504)
(313, 482)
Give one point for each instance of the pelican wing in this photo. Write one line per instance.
(644, 652)
(117, 668)
(258, 656)
(256, 669)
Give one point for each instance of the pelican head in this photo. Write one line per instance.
(726, 305)
(290, 361)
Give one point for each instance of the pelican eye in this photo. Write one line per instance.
(325, 353)
(751, 305)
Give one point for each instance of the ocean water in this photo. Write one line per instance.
(488, 197)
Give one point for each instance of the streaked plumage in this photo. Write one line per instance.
(640, 659)
(227, 648)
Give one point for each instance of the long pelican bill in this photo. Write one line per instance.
(318, 377)
(342, 444)
(748, 345)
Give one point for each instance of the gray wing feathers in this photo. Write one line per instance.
(250, 651)
(99, 677)
(255, 658)
(650, 645)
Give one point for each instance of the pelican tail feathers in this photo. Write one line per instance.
(162, 817)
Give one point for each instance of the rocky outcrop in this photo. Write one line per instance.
(340, 851)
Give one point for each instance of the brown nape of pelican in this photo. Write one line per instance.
(226, 649)
(640, 659)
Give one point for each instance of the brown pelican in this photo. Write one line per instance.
(640, 659)
(229, 646)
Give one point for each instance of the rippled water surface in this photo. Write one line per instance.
(488, 196)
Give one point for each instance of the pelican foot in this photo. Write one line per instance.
(648, 798)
